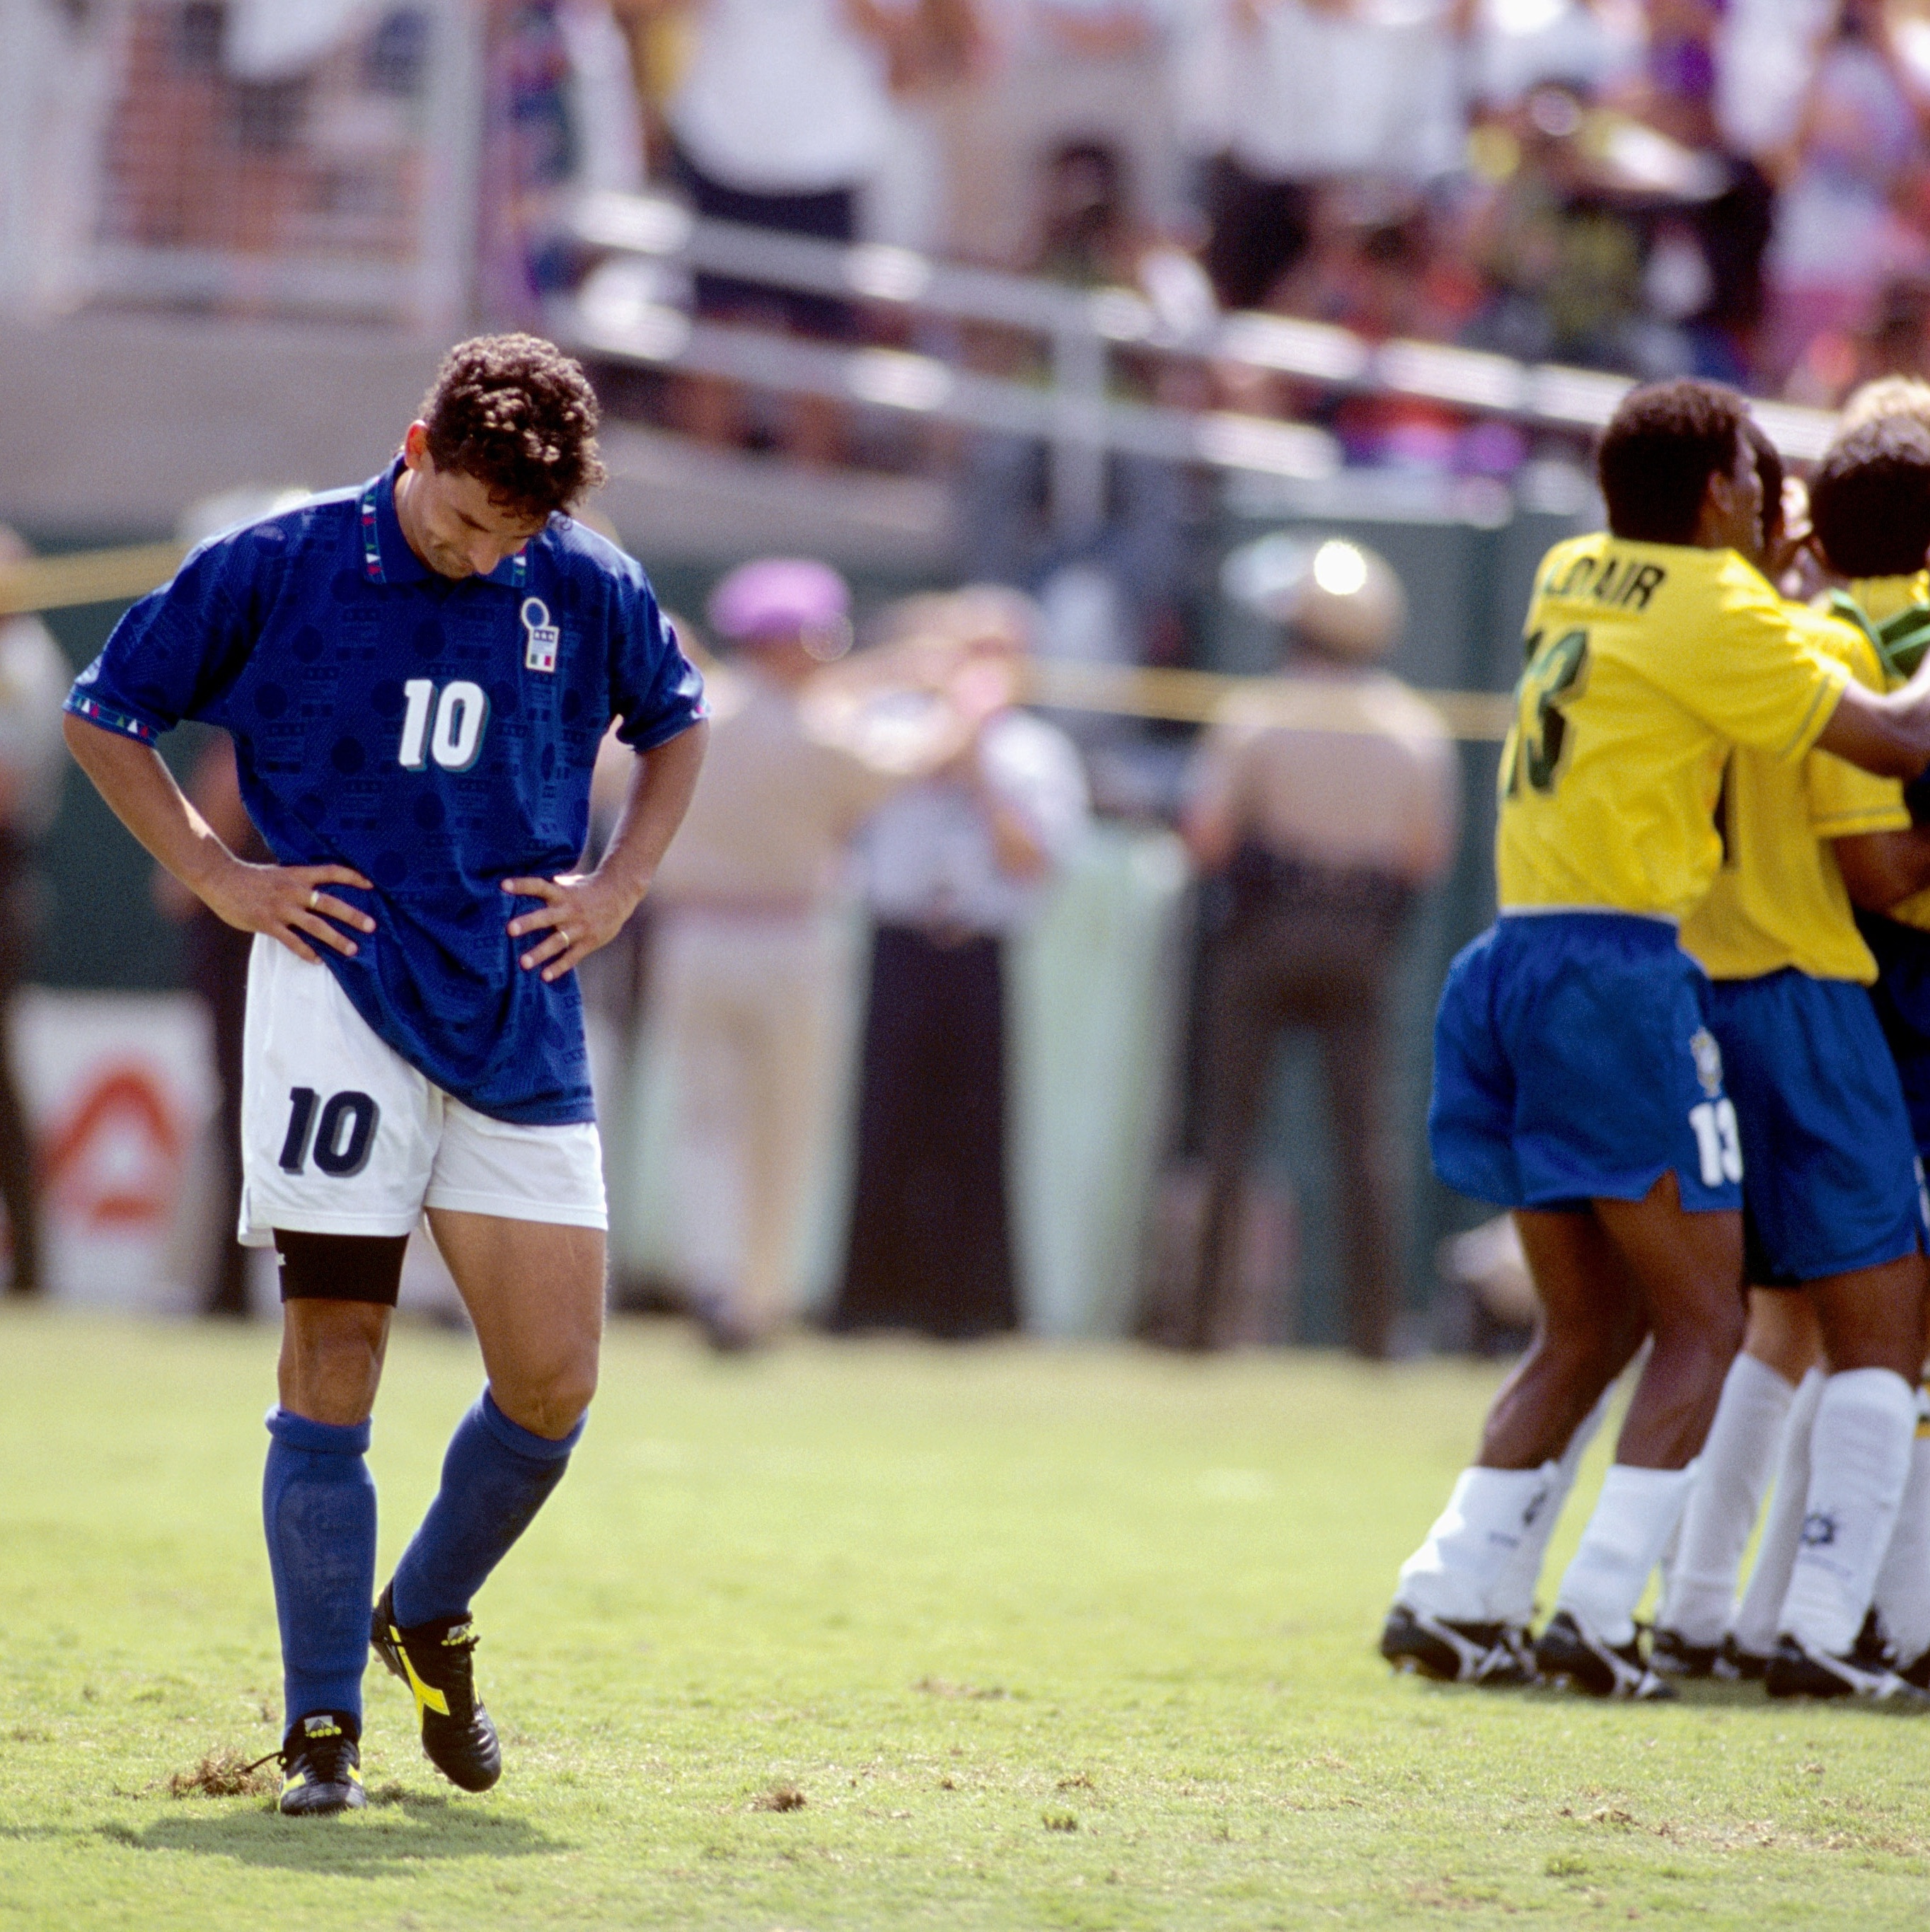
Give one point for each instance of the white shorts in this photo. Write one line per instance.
(341, 1136)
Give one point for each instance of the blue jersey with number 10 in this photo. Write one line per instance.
(436, 735)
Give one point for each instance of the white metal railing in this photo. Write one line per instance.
(121, 179)
(630, 307)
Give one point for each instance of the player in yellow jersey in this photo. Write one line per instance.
(1576, 1079)
(1833, 1192)
(1875, 523)
(1871, 507)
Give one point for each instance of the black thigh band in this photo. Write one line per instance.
(340, 1267)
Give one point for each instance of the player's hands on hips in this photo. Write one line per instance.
(288, 902)
(580, 912)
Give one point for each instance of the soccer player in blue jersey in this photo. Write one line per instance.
(417, 673)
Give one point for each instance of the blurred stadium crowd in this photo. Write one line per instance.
(1651, 186)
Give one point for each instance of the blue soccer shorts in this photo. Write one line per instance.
(1901, 997)
(1573, 1062)
(1832, 1180)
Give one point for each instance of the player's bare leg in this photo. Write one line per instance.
(1688, 1267)
(1596, 1327)
(331, 1357)
(1784, 1332)
(1872, 1318)
(1592, 1322)
(534, 1290)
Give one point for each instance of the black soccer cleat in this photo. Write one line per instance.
(1737, 1665)
(1452, 1653)
(1671, 1654)
(1568, 1653)
(436, 1661)
(1797, 1671)
(321, 1766)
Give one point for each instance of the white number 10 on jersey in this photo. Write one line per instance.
(459, 715)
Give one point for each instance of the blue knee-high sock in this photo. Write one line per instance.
(496, 1476)
(318, 1508)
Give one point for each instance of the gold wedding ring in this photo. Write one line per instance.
(562, 933)
(314, 897)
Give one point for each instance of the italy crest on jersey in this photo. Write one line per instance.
(543, 638)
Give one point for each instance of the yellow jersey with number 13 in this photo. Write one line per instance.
(1645, 663)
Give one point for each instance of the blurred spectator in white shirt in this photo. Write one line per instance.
(950, 869)
(1316, 91)
(1838, 235)
(1593, 46)
(782, 115)
(1055, 73)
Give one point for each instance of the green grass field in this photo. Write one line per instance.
(1041, 1638)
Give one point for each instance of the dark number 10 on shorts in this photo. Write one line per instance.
(339, 1132)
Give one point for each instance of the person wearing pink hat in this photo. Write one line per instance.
(750, 972)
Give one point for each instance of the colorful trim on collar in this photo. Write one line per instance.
(372, 544)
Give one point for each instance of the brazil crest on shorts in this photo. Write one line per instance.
(436, 735)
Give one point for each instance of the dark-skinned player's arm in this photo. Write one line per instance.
(287, 902)
(1882, 869)
(1889, 735)
(583, 910)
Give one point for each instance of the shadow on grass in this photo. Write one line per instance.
(399, 1829)
(1691, 1694)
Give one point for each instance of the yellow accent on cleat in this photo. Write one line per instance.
(427, 1696)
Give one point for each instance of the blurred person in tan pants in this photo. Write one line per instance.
(1328, 801)
(751, 975)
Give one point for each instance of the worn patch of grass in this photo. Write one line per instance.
(871, 1636)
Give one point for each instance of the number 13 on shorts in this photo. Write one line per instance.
(1718, 1145)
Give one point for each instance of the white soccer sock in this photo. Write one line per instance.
(1732, 1478)
(1512, 1599)
(1902, 1593)
(1758, 1616)
(1634, 1517)
(1452, 1574)
(1859, 1460)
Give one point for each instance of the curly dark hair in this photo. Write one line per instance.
(517, 413)
(1770, 468)
(1662, 446)
(1869, 501)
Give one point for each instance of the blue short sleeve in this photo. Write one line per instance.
(176, 650)
(656, 690)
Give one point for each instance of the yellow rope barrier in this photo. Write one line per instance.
(86, 577)
(1181, 697)
(1199, 697)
